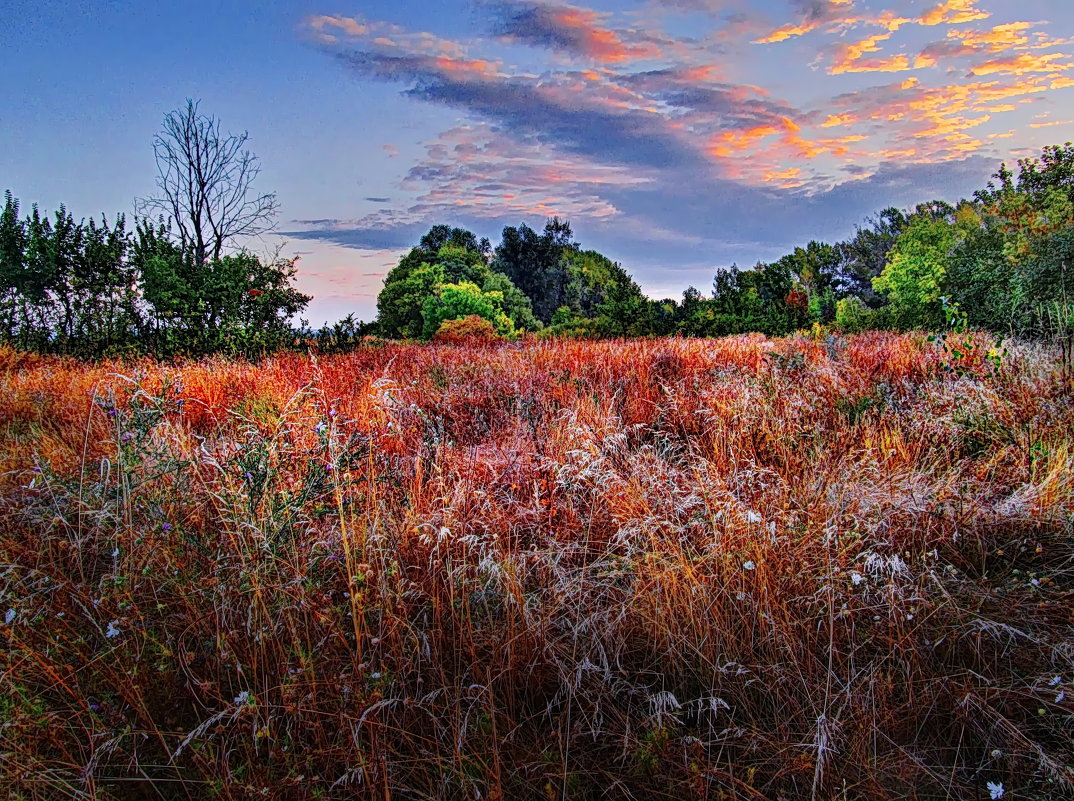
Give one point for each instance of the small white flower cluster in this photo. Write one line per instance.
(995, 790)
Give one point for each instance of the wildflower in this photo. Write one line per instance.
(166, 527)
(9, 616)
(856, 579)
(112, 630)
(321, 426)
(1059, 698)
(242, 698)
(1055, 681)
(329, 467)
(749, 565)
(995, 790)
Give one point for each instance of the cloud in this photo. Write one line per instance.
(589, 123)
(1024, 63)
(660, 154)
(572, 30)
(953, 12)
(852, 58)
(813, 14)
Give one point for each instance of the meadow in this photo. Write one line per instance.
(745, 568)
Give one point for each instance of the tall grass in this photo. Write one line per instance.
(732, 569)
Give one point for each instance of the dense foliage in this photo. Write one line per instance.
(98, 289)
(532, 282)
(739, 568)
(1004, 256)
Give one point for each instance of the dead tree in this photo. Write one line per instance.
(205, 180)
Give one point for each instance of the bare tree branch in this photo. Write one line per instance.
(205, 181)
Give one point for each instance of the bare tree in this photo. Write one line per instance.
(205, 182)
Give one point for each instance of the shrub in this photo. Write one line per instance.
(465, 329)
(852, 315)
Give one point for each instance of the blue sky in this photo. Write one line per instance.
(677, 136)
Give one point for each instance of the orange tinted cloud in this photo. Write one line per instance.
(953, 12)
(997, 39)
(1023, 63)
(326, 25)
(1050, 124)
(851, 58)
(472, 67)
(788, 32)
(728, 143)
(822, 13)
(600, 44)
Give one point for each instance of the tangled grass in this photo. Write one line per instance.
(733, 569)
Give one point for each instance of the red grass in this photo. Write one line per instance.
(732, 569)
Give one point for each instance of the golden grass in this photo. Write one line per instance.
(731, 569)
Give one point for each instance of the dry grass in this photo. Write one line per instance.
(734, 569)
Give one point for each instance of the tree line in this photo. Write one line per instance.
(999, 261)
(169, 286)
(180, 284)
(94, 289)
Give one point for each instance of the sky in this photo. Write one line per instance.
(677, 136)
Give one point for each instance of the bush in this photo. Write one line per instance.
(852, 315)
(465, 329)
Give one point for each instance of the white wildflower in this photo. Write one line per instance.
(749, 565)
(242, 698)
(995, 790)
(1059, 698)
(9, 616)
(1055, 681)
(856, 578)
(112, 630)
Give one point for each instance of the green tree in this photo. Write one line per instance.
(515, 303)
(535, 264)
(864, 257)
(445, 256)
(914, 277)
(13, 242)
(456, 301)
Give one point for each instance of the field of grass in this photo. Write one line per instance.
(686, 569)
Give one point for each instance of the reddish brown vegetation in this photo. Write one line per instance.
(733, 569)
(459, 331)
